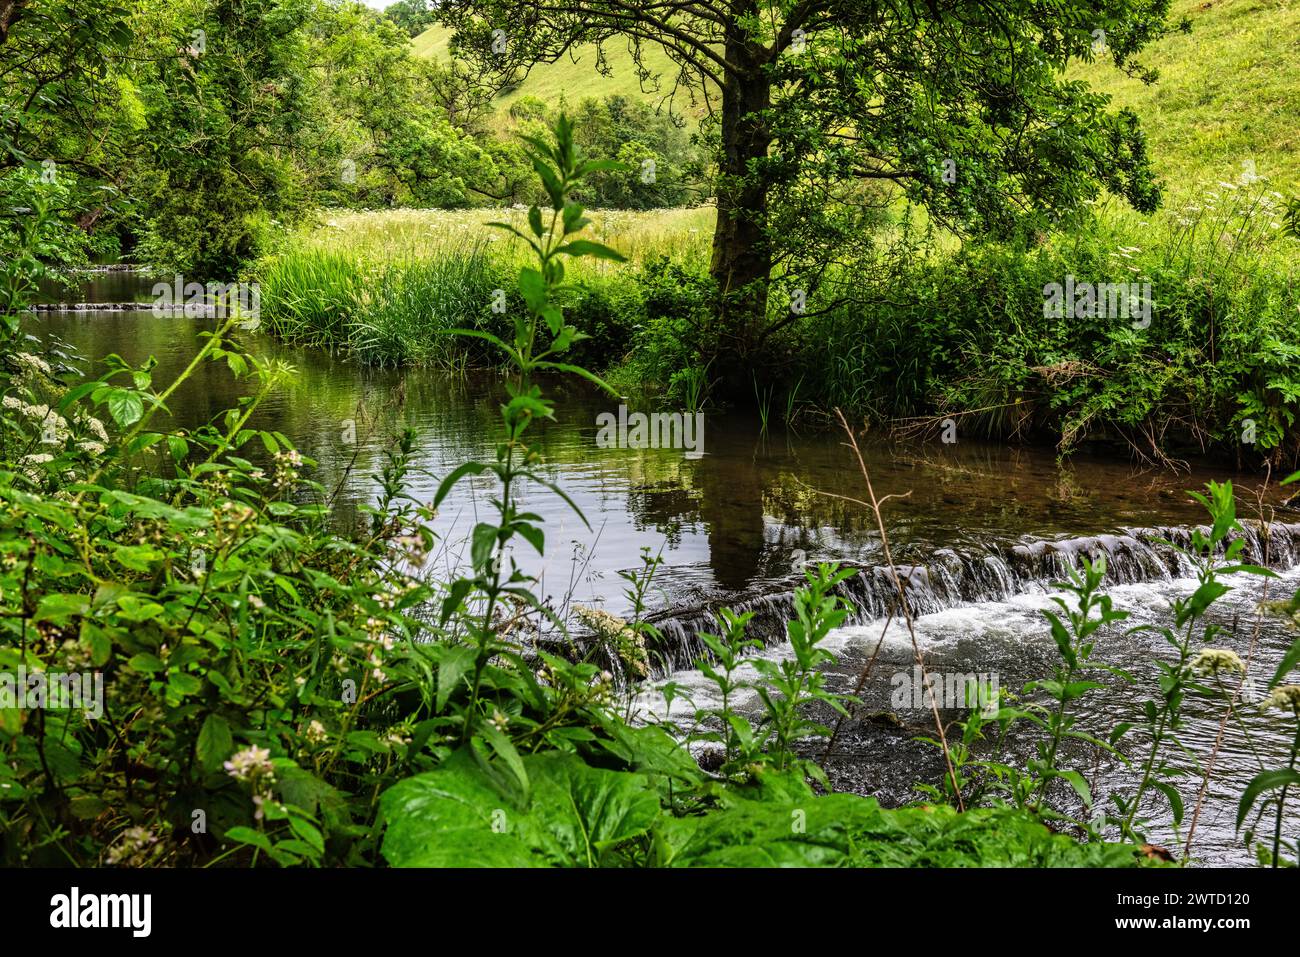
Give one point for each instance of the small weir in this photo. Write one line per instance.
(954, 578)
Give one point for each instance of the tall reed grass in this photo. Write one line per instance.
(387, 285)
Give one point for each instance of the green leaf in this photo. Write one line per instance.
(60, 607)
(455, 817)
(125, 407)
(573, 218)
(1264, 781)
(533, 288)
(182, 683)
(146, 663)
(550, 181)
(246, 835)
(483, 540)
(215, 742)
(581, 372)
(1175, 799)
(453, 664)
(1201, 599)
(1289, 661)
(458, 473)
(179, 447)
(586, 247)
(534, 535)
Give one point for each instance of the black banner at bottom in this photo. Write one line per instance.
(338, 907)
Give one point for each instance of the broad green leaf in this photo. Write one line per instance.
(454, 816)
(215, 743)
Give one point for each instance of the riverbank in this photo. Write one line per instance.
(1179, 338)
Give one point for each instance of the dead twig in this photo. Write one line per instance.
(874, 505)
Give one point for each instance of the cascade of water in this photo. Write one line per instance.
(996, 572)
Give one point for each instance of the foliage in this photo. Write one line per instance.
(965, 335)
(276, 692)
(1149, 743)
(820, 105)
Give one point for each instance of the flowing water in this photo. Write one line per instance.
(980, 531)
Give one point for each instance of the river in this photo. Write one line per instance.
(984, 530)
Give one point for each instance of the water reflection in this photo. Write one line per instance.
(732, 521)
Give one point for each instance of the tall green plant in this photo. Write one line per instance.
(540, 335)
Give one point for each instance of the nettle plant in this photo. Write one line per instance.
(1150, 745)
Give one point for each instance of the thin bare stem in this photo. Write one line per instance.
(902, 601)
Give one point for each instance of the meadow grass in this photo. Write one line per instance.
(1228, 94)
(388, 285)
(413, 234)
(574, 76)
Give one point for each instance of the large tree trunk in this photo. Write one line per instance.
(742, 257)
(10, 12)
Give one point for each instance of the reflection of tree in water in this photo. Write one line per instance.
(731, 504)
(664, 506)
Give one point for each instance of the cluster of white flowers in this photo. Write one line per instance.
(287, 466)
(376, 660)
(96, 427)
(55, 425)
(603, 691)
(230, 515)
(131, 846)
(411, 548)
(316, 733)
(1284, 698)
(34, 363)
(251, 764)
(626, 642)
(1215, 661)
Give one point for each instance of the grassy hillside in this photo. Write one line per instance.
(1229, 92)
(575, 77)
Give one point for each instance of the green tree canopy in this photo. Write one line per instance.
(824, 110)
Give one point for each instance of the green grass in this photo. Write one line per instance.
(1228, 92)
(574, 77)
(398, 234)
(388, 285)
(385, 313)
